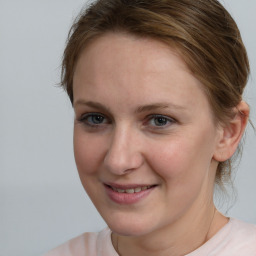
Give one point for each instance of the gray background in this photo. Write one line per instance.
(41, 199)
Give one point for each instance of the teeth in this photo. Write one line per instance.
(131, 190)
(137, 190)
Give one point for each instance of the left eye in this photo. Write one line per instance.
(93, 119)
(159, 120)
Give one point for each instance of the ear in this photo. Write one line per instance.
(231, 133)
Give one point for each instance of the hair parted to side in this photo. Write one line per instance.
(202, 31)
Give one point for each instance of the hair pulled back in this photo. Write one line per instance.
(202, 31)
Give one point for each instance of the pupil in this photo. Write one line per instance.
(161, 121)
(97, 119)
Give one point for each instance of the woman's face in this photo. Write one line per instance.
(144, 136)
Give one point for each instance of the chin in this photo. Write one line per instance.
(129, 230)
(129, 227)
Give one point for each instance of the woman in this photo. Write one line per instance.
(157, 89)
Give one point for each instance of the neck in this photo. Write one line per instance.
(184, 235)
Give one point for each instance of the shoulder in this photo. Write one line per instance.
(240, 239)
(236, 238)
(242, 235)
(91, 243)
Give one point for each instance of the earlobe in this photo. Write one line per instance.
(232, 133)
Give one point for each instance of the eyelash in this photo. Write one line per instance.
(153, 117)
(168, 120)
(84, 119)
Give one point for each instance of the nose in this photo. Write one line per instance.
(124, 154)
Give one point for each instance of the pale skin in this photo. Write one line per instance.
(141, 117)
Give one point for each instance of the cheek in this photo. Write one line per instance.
(170, 159)
(88, 152)
(181, 159)
(183, 167)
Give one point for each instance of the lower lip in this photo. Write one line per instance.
(126, 198)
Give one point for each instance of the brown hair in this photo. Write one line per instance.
(202, 31)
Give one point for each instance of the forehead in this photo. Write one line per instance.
(124, 48)
(135, 69)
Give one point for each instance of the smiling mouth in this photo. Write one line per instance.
(130, 190)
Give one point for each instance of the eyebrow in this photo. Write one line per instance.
(91, 104)
(156, 106)
(140, 109)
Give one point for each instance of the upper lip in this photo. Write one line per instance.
(128, 186)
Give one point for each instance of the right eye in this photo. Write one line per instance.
(93, 119)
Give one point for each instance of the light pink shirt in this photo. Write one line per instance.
(236, 238)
